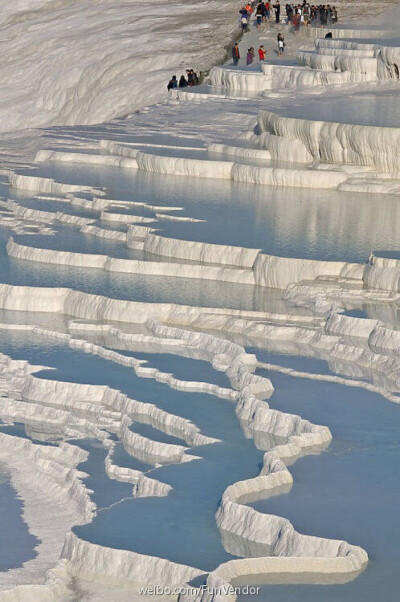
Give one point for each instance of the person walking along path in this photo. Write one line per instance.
(235, 54)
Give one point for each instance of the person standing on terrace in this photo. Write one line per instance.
(277, 9)
(235, 53)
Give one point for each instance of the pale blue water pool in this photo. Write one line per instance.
(188, 512)
(328, 488)
(17, 545)
(349, 491)
(290, 221)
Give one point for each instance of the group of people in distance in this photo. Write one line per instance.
(263, 12)
(306, 14)
(249, 56)
(296, 14)
(191, 79)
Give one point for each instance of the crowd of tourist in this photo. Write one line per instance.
(297, 15)
(306, 14)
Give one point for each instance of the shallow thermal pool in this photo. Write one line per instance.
(291, 222)
(167, 526)
(17, 545)
(325, 499)
(135, 287)
(376, 107)
(347, 492)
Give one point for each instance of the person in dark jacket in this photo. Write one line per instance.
(192, 77)
(277, 9)
(323, 15)
(172, 83)
(235, 54)
(189, 76)
(183, 82)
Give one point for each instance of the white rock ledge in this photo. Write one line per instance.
(299, 556)
(129, 266)
(236, 264)
(339, 142)
(122, 568)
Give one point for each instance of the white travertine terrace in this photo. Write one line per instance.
(109, 566)
(131, 266)
(110, 160)
(104, 233)
(327, 156)
(231, 264)
(124, 218)
(184, 167)
(338, 142)
(272, 176)
(292, 550)
(46, 185)
(239, 152)
(354, 64)
(336, 155)
(199, 251)
(294, 553)
(388, 57)
(283, 149)
(331, 50)
(334, 62)
(58, 404)
(55, 500)
(382, 273)
(277, 77)
(341, 32)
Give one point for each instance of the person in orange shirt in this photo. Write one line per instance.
(249, 9)
(261, 53)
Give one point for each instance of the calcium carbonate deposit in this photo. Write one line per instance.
(199, 304)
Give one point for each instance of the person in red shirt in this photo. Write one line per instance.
(261, 53)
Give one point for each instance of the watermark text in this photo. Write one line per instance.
(187, 590)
